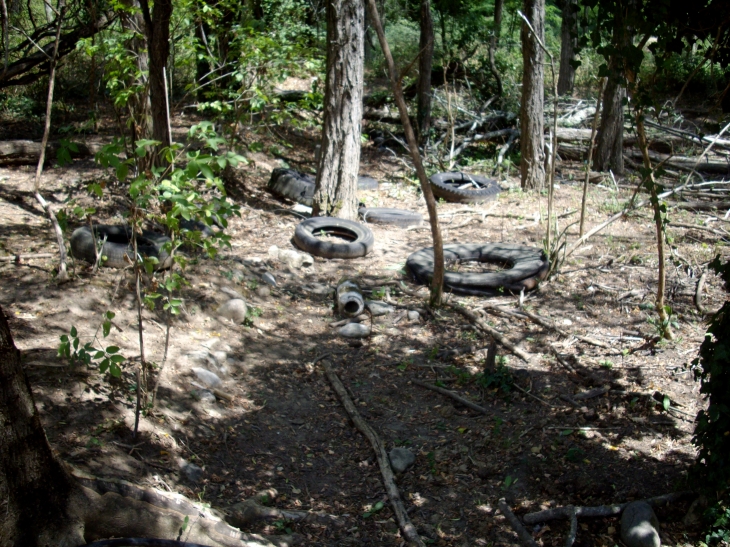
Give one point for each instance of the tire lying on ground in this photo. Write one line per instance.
(360, 237)
(524, 267)
(118, 247)
(299, 187)
(383, 215)
(464, 188)
(290, 184)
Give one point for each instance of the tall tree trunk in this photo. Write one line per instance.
(203, 65)
(339, 163)
(425, 62)
(532, 140)
(494, 44)
(138, 104)
(37, 485)
(157, 32)
(610, 147)
(568, 43)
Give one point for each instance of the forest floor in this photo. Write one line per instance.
(285, 427)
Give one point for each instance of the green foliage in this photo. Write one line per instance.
(718, 517)
(500, 378)
(107, 359)
(712, 429)
(376, 508)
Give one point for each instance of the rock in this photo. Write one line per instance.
(413, 315)
(204, 396)
(209, 378)
(401, 459)
(269, 279)
(294, 259)
(379, 308)
(190, 471)
(263, 291)
(355, 330)
(639, 526)
(235, 310)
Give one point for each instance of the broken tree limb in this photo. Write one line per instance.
(21, 152)
(498, 336)
(573, 526)
(404, 521)
(684, 163)
(698, 293)
(517, 526)
(598, 511)
(453, 395)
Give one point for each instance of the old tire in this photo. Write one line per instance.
(361, 238)
(450, 187)
(366, 183)
(525, 267)
(118, 247)
(384, 215)
(290, 184)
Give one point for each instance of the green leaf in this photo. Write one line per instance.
(115, 370)
(74, 332)
(112, 349)
(566, 432)
(106, 327)
(117, 359)
(104, 365)
(122, 172)
(99, 355)
(666, 403)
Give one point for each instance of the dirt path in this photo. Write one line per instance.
(285, 428)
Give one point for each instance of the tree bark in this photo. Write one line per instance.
(339, 163)
(609, 151)
(532, 140)
(425, 62)
(494, 44)
(37, 485)
(138, 104)
(568, 43)
(157, 32)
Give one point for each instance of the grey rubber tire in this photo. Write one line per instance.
(366, 183)
(448, 186)
(526, 267)
(118, 247)
(361, 238)
(384, 215)
(290, 184)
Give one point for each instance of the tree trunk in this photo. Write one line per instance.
(138, 104)
(568, 43)
(339, 163)
(494, 44)
(37, 485)
(425, 62)
(609, 150)
(157, 32)
(532, 140)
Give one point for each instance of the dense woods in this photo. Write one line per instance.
(168, 110)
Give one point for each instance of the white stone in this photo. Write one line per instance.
(235, 310)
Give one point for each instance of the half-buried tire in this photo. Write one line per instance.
(360, 238)
(464, 188)
(118, 249)
(524, 267)
(384, 215)
(290, 184)
(296, 186)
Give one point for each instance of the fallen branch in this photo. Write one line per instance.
(22, 152)
(597, 511)
(498, 336)
(517, 526)
(453, 395)
(404, 522)
(18, 258)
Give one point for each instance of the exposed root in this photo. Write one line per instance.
(522, 533)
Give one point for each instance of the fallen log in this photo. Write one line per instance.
(684, 163)
(27, 152)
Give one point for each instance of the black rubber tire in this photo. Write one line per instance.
(118, 248)
(396, 217)
(299, 187)
(446, 186)
(193, 225)
(366, 183)
(361, 243)
(290, 184)
(527, 266)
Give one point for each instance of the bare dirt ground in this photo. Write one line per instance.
(285, 428)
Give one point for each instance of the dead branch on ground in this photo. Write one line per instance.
(453, 395)
(517, 526)
(404, 522)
